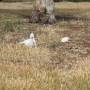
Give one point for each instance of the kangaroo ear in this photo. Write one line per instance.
(32, 35)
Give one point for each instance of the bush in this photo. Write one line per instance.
(7, 25)
(10, 26)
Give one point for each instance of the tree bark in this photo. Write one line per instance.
(43, 12)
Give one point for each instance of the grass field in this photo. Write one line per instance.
(53, 65)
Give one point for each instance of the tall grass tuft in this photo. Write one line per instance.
(10, 26)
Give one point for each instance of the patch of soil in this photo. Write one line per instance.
(66, 55)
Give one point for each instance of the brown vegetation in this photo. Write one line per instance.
(53, 65)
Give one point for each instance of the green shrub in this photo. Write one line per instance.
(10, 26)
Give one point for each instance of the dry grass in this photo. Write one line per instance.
(23, 55)
(52, 65)
(62, 5)
(17, 5)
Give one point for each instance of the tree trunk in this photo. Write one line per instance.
(43, 12)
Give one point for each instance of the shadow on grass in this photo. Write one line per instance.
(69, 17)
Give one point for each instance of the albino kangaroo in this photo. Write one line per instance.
(30, 42)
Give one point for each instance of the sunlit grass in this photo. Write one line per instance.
(53, 65)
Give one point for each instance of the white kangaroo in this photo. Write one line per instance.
(65, 39)
(31, 42)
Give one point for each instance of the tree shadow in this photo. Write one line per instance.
(59, 18)
(66, 18)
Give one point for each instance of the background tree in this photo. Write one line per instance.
(43, 12)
